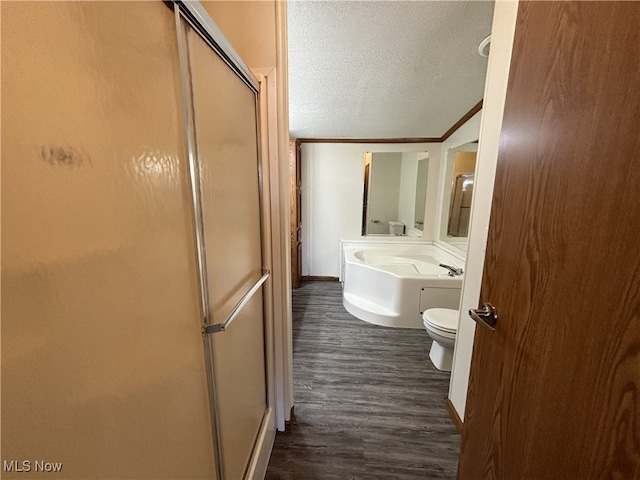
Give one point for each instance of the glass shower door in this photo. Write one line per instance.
(225, 150)
(102, 363)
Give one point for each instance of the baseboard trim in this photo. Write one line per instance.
(370, 140)
(455, 418)
(259, 461)
(311, 278)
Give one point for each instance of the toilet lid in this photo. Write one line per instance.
(443, 318)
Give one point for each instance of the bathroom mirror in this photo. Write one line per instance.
(457, 192)
(395, 193)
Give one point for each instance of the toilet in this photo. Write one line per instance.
(396, 228)
(442, 326)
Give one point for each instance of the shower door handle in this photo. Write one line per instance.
(486, 316)
(221, 327)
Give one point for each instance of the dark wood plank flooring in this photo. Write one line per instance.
(368, 402)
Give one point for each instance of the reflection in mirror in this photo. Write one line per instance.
(395, 191)
(461, 192)
(457, 193)
(421, 194)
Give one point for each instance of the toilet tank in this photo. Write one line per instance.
(396, 228)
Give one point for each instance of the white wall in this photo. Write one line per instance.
(495, 90)
(332, 189)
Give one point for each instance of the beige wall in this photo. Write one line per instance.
(250, 27)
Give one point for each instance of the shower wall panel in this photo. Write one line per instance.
(102, 362)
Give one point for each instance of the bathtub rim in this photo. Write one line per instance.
(364, 243)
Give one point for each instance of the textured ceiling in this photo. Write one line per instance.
(384, 69)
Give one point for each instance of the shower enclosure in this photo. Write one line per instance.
(132, 306)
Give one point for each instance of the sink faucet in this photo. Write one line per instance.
(453, 271)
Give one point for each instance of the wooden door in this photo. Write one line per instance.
(296, 211)
(555, 390)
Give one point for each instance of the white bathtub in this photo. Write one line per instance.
(393, 284)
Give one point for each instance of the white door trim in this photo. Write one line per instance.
(275, 172)
(502, 34)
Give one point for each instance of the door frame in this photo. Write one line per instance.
(295, 180)
(278, 311)
(502, 35)
(275, 150)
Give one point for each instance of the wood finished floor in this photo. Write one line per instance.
(368, 402)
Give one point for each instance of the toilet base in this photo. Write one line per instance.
(441, 357)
